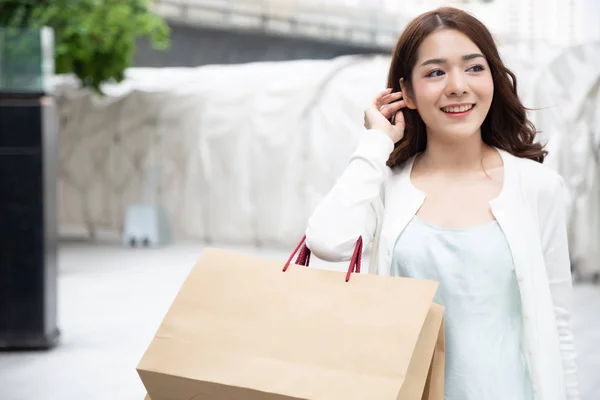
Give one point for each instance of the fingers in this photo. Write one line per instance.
(383, 107)
(385, 97)
(398, 119)
(388, 98)
(391, 109)
(380, 95)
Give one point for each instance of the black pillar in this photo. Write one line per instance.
(28, 221)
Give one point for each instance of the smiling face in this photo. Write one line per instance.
(452, 86)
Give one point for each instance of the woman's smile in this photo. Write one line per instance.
(458, 110)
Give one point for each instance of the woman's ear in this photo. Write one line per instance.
(409, 102)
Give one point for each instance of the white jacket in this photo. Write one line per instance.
(376, 202)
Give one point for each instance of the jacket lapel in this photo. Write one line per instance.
(402, 201)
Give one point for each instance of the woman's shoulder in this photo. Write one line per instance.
(403, 168)
(538, 177)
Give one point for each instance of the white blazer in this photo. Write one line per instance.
(376, 202)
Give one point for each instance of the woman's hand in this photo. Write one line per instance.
(385, 107)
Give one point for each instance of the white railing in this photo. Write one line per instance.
(328, 20)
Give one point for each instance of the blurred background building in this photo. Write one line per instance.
(229, 136)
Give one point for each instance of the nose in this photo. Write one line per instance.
(456, 85)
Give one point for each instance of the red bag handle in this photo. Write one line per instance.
(304, 257)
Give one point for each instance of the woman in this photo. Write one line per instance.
(448, 184)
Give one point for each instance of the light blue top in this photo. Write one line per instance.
(480, 293)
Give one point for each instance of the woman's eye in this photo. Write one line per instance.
(476, 68)
(435, 73)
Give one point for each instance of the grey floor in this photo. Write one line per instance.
(111, 301)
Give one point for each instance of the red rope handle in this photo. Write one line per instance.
(356, 259)
(304, 257)
(287, 263)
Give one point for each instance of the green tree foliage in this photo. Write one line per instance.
(94, 39)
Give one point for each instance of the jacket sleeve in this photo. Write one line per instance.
(556, 256)
(349, 209)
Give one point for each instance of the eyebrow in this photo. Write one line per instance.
(468, 57)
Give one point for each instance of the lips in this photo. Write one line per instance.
(458, 109)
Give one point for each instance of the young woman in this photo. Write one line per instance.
(448, 184)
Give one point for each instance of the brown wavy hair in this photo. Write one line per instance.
(506, 125)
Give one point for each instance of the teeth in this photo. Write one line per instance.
(457, 109)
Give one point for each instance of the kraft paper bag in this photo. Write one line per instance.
(242, 328)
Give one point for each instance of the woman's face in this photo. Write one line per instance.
(452, 86)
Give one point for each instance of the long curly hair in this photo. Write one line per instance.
(506, 125)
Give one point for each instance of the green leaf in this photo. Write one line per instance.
(94, 39)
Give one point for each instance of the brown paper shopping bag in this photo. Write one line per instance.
(241, 328)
